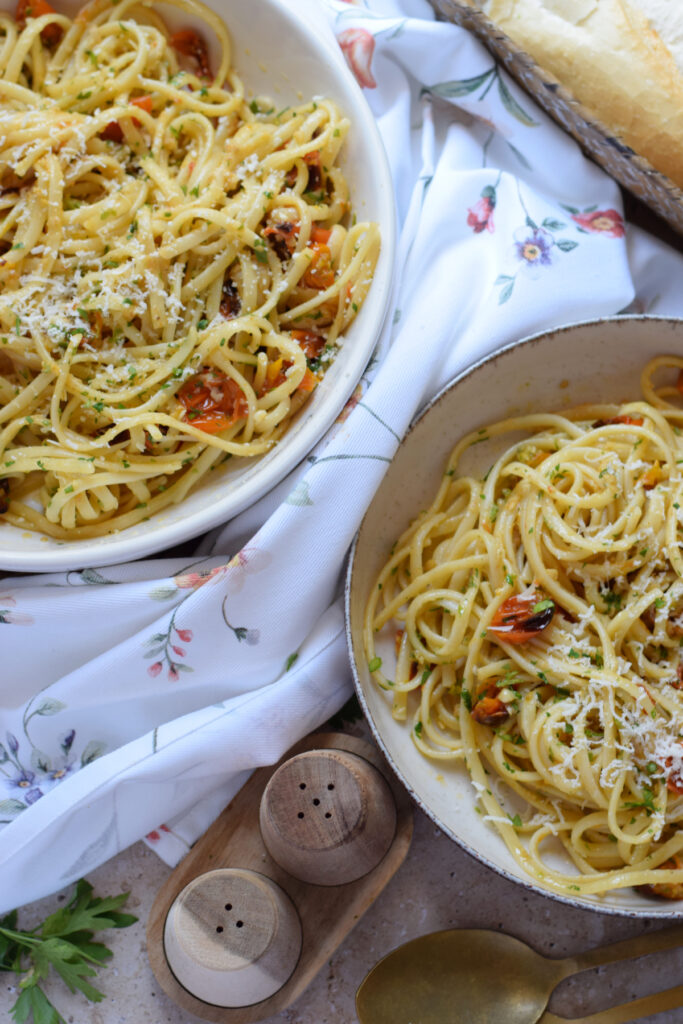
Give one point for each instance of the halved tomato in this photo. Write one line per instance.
(213, 401)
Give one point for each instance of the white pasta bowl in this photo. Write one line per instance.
(597, 362)
(281, 52)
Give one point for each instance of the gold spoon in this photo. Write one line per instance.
(473, 976)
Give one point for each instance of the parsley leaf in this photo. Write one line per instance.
(33, 954)
(34, 1001)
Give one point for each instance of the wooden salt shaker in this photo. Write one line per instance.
(327, 817)
(232, 937)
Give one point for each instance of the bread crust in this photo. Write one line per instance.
(613, 62)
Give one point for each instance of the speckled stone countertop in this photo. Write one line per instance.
(438, 886)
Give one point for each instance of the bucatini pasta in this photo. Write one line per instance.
(177, 263)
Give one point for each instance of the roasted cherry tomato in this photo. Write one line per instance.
(521, 617)
(113, 132)
(320, 274)
(282, 236)
(675, 781)
(276, 374)
(51, 34)
(191, 44)
(652, 476)
(315, 170)
(4, 496)
(231, 303)
(666, 890)
(213, 401)
(634, 421)
(490, 710)
(310, 342)
(320, 234)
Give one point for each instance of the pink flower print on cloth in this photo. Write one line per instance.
(194, 580)
(358, 46)
(9, 616)
(480, 216)
(246, 562)
(601, 222)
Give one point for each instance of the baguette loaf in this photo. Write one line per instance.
(666, 18)
(622, 59)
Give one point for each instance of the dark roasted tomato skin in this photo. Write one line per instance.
(515, 621)
(490, 710)
(231, 303)
(282, 236)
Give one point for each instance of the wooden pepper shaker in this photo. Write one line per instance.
(232, 937)
(327, 817)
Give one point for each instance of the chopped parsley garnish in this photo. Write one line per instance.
(647, 802)
(260, 251)
(612, 600)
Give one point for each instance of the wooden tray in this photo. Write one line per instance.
(327, 913)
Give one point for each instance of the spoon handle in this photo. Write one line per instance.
(670, 999)
(642, 945)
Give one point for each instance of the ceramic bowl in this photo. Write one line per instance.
(598, 361)
(309, 64)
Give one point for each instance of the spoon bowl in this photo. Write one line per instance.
(475, 976)
(462, 975)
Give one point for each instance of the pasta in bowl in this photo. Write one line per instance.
(522, 634)
(185, 274)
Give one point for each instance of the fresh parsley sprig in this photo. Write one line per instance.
(63, 942)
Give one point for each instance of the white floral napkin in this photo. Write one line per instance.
(134, 700)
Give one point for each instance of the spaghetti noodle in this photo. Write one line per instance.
(178, 264)
(540, 623)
